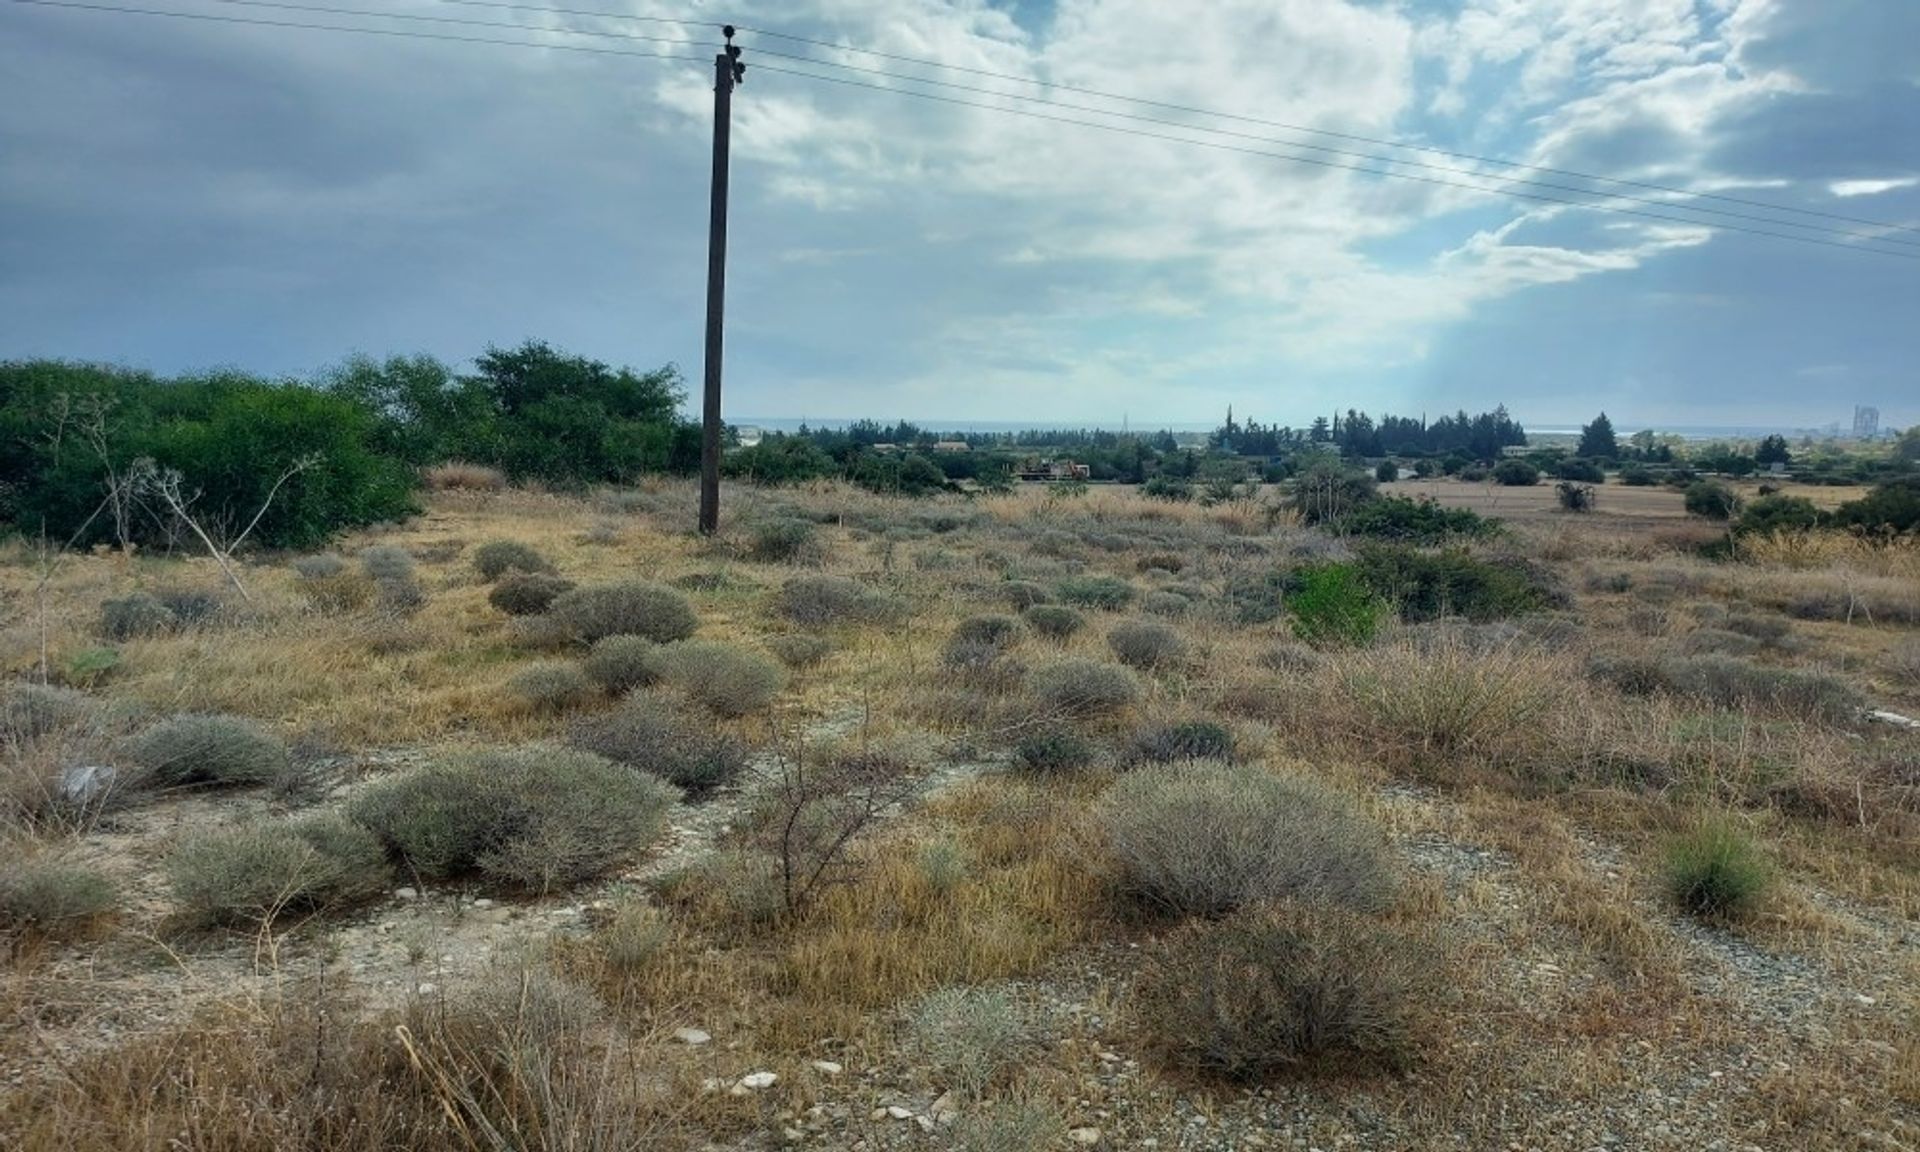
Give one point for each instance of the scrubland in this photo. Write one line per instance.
(1041, 820)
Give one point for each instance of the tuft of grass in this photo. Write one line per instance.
(496, 558)
(817, 600)
(619, 664)
(135, 616)
(633, 608)
(1053, 749)
(798, 649)
(634, 938)
(1110, 593)
(1147, 644)
(1331, 606)
(993, 631)
(337, 591)
(537, 817)
(1716, 872)
(386, 562)
(728, 681)
(462, 476)
(660, 737)
(30, 711)
(257, 872)
(1080, 687)
(972, 1037)
(1207, 837)
(783, 541)
(1290, 989)
(527, 593)
(1007, 1124)
(1425, 705)
(51, 897)
(552, 685)
(1021, 595)
(203, 749)
(1055, 621)
(1184, 740)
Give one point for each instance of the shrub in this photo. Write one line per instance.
(1730, 682)
(1453, 582)
(633, 608)
(1287, 657)
(318, 566)
(634, 938)
(1274, 990)
(982, 667)
(1166, 604)
(1056, 621)
(1024, 594)
(1890, 507)
(971, 1036)
(537, 817)
(1710, 500)
(89, 666)
(1574, 497)
(1579, 471)
(816, 600)
(799, 650)
(30, 711)
(1208, 837)
(1776, 513)
(1052, 749)
(1474, 473)
(993, 631)
(341, 591)
(527, 593)
(1331, 606)
(50, 897)
(782, 541)
(460, 476)
(1146, 644)
(1430, 705)
(1078, 687)
(387, 562)
(1423, 521)
(201, 749)
(1328, 491)
(1167, 488)
(1515, 474)
(1185, 740)
(190, 605)
(1007, 1124)
(659, 737)
(1716, 872)
(1386, 472)
(552, 685)
(727, 680)
(496, 558)
(132, 617)
(1638, 476)
(621, 663)
(256, 872)
(398, 595)
(1109, 592)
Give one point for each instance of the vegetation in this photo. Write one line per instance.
(257, 872)
(728, 681)
(1147, 644)
(1080, 688)
(1516, 474)
(664, 739)
(1712, 501)
(1716, 872)
(51, 897)
(632, 608)
(496, 558)
(199, 749)
(527, 593)
(1331, 605)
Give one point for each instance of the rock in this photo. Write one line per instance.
(1084, 1136)
(925, 1122)
(899, 1113)
(427, 988)
(406, 894)
(83, 782)
(690, 1036)
(828, 1067)
(483, 902)
(758, 1080)
(945, 1108)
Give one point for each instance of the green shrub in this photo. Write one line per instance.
(1331, 606)
(799, 650)
(527, 593)
(1638, 476)
(1711, 500)
(818, 600)
(1329, 491)
(1052, 749)
(1185, 740)
(1516, 474)
(30, 711)
(1716, 872)
(1169, 488)
(727, 680)
(537, 817)
(782, 541)
(1207, 837)
(552, 685)
(1146, 644)
(1056, 621)
(1278, 990)
(633, 608)
(1579, 471)
(259, 871)
(659, 737)
(1108, 592)
(1574, 497)
(1166, 604)
(89, 666)
(135, 616)
(1422, 521)
(1891, 507)
(496, 558)
(50, 897)
(201, 749)
(1024, 594)
(619, 664)
(1770, 514)
(1453, 582)
(1080, 687)
(993, 631)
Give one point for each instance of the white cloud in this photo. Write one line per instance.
(1850, 188)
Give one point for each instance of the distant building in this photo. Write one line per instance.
(949, 445)
(1866, 422)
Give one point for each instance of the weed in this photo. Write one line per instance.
(971, 1036)
(1331, 606)
(30, 711)
(461, 476)
(1716, 872)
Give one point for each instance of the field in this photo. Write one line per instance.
(1619, 506)
(976, 801)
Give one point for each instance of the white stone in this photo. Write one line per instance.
(899, 1113)
(690, 1036)
(406, 894)
(758, 1080)
(1087, 1136)
(945, 1108)
(828, 1067)
(483, 902)
(926, 1123)
(427, 988)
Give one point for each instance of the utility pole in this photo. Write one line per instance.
(727, 72)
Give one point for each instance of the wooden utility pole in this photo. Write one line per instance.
(727, 72)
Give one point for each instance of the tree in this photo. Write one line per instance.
(1713, 501)
(1907, 448)
(1516, 473)
(1597, 441)
(1773, 450)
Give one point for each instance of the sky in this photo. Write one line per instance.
(186, 194)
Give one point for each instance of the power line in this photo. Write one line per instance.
(1216, 145)
(285, 5)
(216, 18)
(508, 5)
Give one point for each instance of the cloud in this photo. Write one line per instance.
(1846, 189)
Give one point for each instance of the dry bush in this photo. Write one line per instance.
(200, 749)
(50, 897)
(136, 616)
(1024, 594)
(662, 738)
(1717, 642)
(619, 664)
(527, 593)
(398, 595)
(1904, 659)
(971, 1037)
(536, 817)
(386, 562)
(257, 872)
(981, 667)
(1293, 989)
(992, 631)
(1207, 837)
(1147, 644)
(1082, 688)
(1732, 683)
(1096, 591)
(783, 541)
(798, 649)
(1054, 621)
(461, 476)
(1052, 750)
(1181, 740)
(811, 808)
(552, 686)
(191, 606)
(340, 591)
(1292, 656)
(817, 600)
(634, 608)
(1166, 603)
(496, 558)
(318, 566)
(728, 681)
(30, 711)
